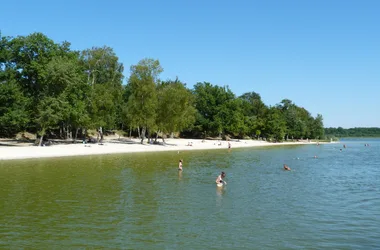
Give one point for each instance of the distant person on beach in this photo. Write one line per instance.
(180, 165)
(344, 145)
(229, 145)
(220, 177)
(286, 167)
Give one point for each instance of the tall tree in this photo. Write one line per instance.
(209, 101)
(175, 110)
(13, 109)
(65, 79)
(299, 122)
(255, 112)
(51, 110)
(104, 76)
(142, 101)
(275, 124)
(26, 63)
(29, 58)
(231, 116)
(318, 130)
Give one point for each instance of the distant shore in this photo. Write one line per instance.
(123, 145)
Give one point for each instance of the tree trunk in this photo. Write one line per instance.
(100, 134)
(142, 135)
(42, 137)
(68, 132)
(148, 135)
(84, 133)
(138, 132)
(171, 135)
(63, 132)
(130, 132)
(76, 135)
(93, 81)
(155, 140)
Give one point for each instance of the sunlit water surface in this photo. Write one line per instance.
(141, 201)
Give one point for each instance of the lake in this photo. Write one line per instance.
(140, 201)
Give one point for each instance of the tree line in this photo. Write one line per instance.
(51, 90)
(352, 132)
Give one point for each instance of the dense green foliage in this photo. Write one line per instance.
(48, 89)
(352, 132)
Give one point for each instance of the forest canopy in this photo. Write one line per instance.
(49, 89)
(352, 132)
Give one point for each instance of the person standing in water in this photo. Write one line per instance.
(180, 165)
(220, 177)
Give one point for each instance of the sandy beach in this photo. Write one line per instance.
(123, 145)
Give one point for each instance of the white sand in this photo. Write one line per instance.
(126, 146)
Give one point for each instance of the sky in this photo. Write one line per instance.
(322, 55)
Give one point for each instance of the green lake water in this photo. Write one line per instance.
(140, 201)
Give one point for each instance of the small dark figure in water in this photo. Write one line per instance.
(220, 177)
(180, 165)
(286, 167)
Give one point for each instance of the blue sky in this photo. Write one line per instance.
(322, 55)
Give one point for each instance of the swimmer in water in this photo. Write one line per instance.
(180, 165)
(220, 177)
(286, 167)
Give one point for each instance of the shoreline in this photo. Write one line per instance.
(124, 146)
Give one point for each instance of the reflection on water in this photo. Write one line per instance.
(179, 174)
(142, 201)
(220, 190)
